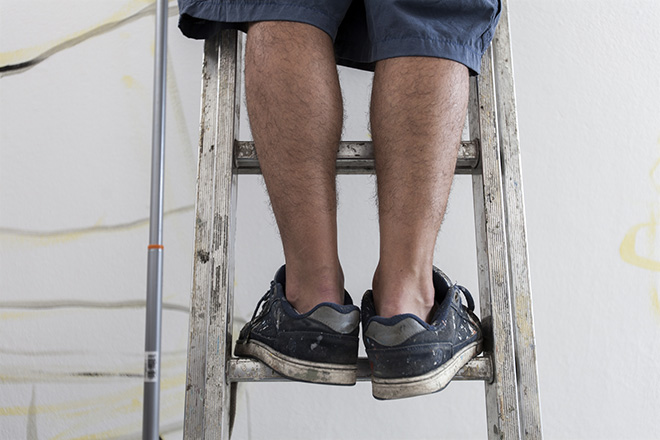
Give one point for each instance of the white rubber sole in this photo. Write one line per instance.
(297, 369)
(431, 382)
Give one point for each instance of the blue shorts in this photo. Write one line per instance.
(363, 31)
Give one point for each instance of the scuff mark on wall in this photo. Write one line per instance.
(31, 431)
(64, 303)
(62, 236)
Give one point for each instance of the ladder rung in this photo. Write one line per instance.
(250, 370)
(354, 157)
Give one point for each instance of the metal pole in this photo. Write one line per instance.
(151, 408)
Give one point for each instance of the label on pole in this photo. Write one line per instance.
(151, 366)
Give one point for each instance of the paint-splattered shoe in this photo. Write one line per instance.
(319, 346)
(410, 357)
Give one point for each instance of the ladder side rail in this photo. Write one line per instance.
(193, 427)
(501, 394)
(218, 399)
(524, 340)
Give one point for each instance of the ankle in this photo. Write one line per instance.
(403, 291)
(308, 286)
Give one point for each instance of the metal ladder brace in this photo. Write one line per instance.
(491, 156)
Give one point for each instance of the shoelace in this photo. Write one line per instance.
(256, 310)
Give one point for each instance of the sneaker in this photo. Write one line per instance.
(319, 346)
(409, 357)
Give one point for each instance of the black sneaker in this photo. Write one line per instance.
(409, 357)
(319, 346)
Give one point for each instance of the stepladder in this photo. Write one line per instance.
(491, 156)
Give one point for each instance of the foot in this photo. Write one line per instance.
(319, 346)
(410, 357)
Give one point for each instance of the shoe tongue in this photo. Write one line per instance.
(432, 313)
(441, 304)
(348, 301)
(280, 276)
(280, 293)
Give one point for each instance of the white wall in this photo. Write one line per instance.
(74, 181)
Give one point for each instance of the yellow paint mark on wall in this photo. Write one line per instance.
(6, 316)
(169, 409)
(628, 248)
(647, 233)
(128, 81)
(86, 405)
(131, 403)
(655, 175)
(61, 237)
(655, 302)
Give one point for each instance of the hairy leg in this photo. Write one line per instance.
(295, 108)
(417, 114)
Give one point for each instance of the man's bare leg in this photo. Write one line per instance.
(417, 114)
(295, 109)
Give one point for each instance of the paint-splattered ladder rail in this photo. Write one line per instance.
(492, 157)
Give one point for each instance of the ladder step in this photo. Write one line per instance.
(250, 370)
(354, 157)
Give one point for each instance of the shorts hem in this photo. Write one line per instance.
(202, 19)
(465, 54)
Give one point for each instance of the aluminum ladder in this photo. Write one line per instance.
(491, 156)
